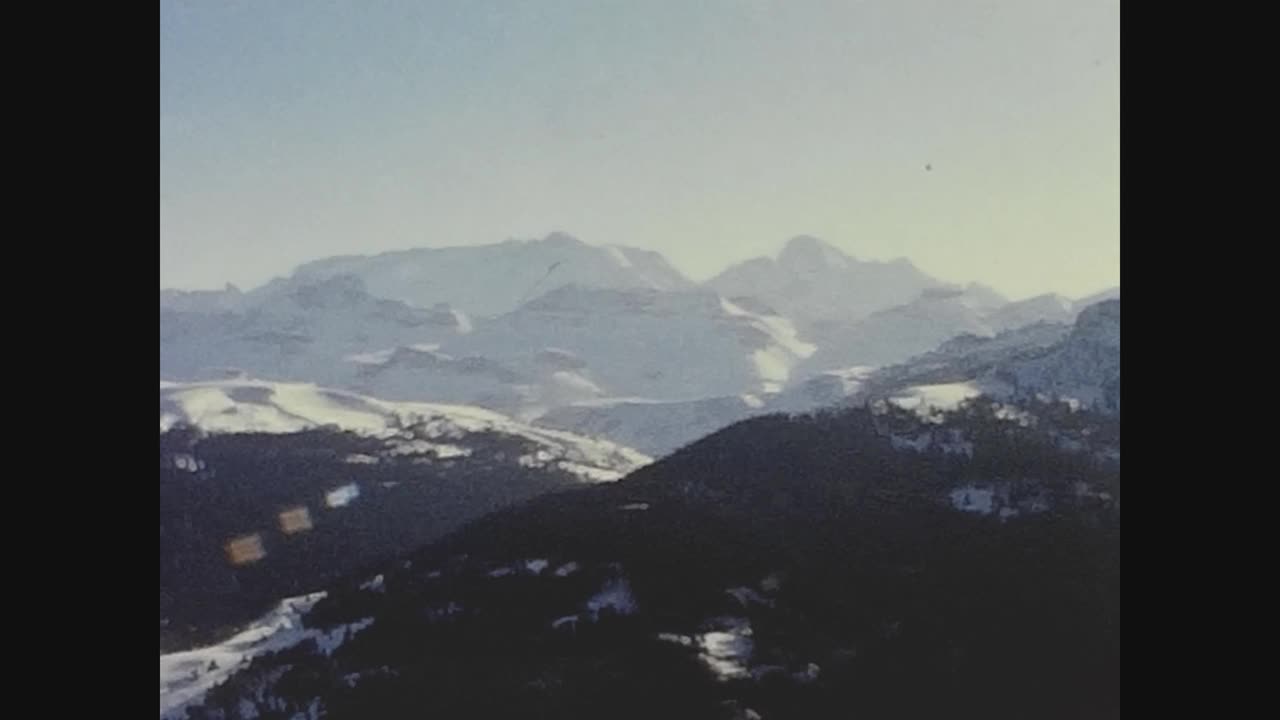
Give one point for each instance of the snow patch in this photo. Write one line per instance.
(329, 641)
(727, 650)
(185, 677)
(851, 378)
(973, 499)
(464, 323)
(773, 368)
(342, 496)
(442, 451)
(677, 639)
(567, 569)
(589, 473)
(574, 382)
(615, 596)
(569, 621)
(619, 257)
(241, 406)
(747, 597)
(926, 398)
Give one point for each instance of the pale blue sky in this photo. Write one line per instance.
(709, 131)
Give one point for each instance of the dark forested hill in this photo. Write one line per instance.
(867, 563)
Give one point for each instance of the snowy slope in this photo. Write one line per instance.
(569, 345)
(662, 345)
(896, 334)
(486, 280)
(186, 677)
(518, 385)
(240, 406)
(967, 357)
(1085, 366)
(946, 396)
(1080, 362)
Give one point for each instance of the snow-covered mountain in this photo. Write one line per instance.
(572, 344)
(659, 428)
(818, 286)
(659, 345)
(295, 330)
(898, 333)
(1079, 362)
(1084, 366)
(486, 280)
(945, 349)
(610, 341)
(246, 406)
(937, 316)
(424, 372)
(966, 357)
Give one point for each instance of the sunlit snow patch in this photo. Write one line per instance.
(616, 596)
(185, 677)
(342, 496)
(926, 398)
(726, 650)
(567, 569)
(973, 499)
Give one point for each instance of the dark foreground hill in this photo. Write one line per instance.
(864, 564)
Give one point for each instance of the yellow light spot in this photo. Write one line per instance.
(295, 520)
(246, 549)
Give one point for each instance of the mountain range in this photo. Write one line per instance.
(545, 478)
(555, 329)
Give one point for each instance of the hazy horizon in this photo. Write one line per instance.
(980, 140)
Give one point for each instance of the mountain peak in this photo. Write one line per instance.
(562, 239)
(805, 252)
(985, 296)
